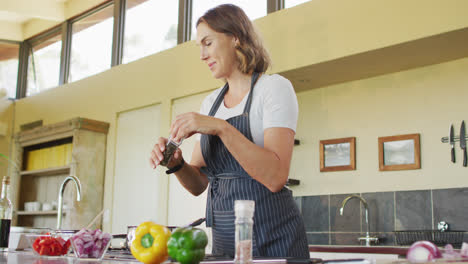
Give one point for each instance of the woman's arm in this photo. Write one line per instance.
(269, 164)
(189, 175)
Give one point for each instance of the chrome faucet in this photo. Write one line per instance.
(367, 238)
(60, 197)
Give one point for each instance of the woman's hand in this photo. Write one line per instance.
(185, 125)
(157, 154)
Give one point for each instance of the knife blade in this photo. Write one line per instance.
(463, 142)
(452, 143)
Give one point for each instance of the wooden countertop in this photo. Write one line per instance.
(394, 250)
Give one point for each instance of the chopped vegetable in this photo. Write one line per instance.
(90, 243)
(150, 244)
(464, 250)
(51, 246)
(423, 251)
(187, 245)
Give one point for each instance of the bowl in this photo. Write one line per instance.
(18, 239)
(49, 245)
(93, 247)
(32, 206)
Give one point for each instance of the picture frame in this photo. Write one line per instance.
(400, 152)
(338, 154)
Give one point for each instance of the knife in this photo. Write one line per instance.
(452, 142)
(463, 142)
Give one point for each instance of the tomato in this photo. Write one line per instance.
(51, 246)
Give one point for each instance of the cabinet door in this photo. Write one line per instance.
(183, 207)
(136, 184)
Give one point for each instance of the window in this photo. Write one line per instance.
(8, 68)
(150, 27)
(291, 3)
(44, 62)
(253, 9)
(91, 47)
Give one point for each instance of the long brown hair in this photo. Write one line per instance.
(230, 19)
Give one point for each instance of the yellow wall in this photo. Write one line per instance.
(315, 32)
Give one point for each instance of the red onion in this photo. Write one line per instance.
(464, 250)
(450, 253)
(90, 243)
(423, 251)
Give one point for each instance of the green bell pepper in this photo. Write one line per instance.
(187, 245)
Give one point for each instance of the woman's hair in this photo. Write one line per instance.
(230, 19)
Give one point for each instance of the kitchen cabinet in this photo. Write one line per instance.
(40, 177)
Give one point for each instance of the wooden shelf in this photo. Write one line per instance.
(48, 171)
(51, 212)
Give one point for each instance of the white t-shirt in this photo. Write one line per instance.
(274, 104)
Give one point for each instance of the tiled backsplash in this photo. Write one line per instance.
(388, 211)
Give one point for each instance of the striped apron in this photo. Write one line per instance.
(278, 229)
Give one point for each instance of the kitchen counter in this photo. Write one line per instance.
(27, 257)
(393, 250)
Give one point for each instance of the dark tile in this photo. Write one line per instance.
(315, 213)
(318, 238)
(344, 238)
(298, 200)
(381, 212)
(451, 206)
(350, 220)
(413, 210)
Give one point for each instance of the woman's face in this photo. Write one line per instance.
(217, 50)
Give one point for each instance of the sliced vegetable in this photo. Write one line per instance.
(423, 251)
(51, 246)
(90, 243)
(464, 250)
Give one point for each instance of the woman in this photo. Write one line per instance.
(247, 133)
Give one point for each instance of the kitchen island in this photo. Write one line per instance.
(27, 257)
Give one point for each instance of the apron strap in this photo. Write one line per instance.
(223, 92)
(255, 76)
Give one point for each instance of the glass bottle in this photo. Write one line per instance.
(5, 214)
(244, 211)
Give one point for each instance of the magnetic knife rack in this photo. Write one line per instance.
(455, 139)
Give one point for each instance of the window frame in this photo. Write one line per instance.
(183, 35)
(88, 13)
(18, 77)
(25, 52)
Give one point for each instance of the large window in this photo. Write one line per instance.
(8, 68)
(150, 27)
(44, 63)
(253, 9)
(291, 3)
(91, 47)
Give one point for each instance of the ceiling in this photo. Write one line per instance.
(22, 19)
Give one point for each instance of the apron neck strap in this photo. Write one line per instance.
(220, 97)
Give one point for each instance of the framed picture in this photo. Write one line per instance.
(400, 152)
(338, 154)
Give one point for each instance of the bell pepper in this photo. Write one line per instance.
(150, 244)
(187, 245)
(51, 246)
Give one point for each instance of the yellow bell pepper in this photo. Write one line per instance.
(150, 244)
